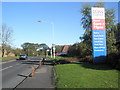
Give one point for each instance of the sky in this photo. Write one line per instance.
(22, 17)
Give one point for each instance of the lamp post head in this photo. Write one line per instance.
(39, 21)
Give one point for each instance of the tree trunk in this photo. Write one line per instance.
(3, 52)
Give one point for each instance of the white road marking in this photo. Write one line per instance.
(8, 67)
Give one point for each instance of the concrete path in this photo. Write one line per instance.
(44, 78)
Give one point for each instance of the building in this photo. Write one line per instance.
(65, 48)
(5, 54)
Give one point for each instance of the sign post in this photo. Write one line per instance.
(98, 34)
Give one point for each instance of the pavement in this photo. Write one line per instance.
(16, 74)
(44, 78)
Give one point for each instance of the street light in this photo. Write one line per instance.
(53, 45)
(47, 51)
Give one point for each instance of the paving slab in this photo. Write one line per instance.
(44, 78)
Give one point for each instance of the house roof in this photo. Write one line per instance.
(65, 48)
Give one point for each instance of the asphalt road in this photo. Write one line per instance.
(15, 71)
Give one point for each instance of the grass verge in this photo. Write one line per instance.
(7, 58)
(56, 58)
(85, 75)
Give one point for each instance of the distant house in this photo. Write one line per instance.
(64, 51)
(1, 53)
(11, 54)
(5, 55)
(65, 48)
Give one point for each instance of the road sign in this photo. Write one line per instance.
(98, 34)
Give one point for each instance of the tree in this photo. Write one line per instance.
(30, 48)
(86, 21)
(74, 50)
(117, 36)
(110, 30)
(86, 18)
(18, 51)
(43, 46)
(58, 48)
(118, 32)
(43, 49)
(6, 39)
(111, 40)
(25, 47)
(8, 49)
(85, 46)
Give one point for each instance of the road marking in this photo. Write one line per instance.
(7, 61)
(8, 67)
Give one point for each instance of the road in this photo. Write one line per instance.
(15, 71)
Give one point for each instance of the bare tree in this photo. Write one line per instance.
(6, 38)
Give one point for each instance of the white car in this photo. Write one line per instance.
(23, 57)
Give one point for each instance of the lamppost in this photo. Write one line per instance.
(53, 45)
(47, 52)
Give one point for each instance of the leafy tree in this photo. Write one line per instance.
(85, 46)
(43, 46)
(58, 48)
(25, 47)
(118, 32)
(86, 21)
(43, 49)
(74, 50)
(79, 50)
(30, 48)
(86, 18)
(18, 51)
(111, 40)
(117, 36)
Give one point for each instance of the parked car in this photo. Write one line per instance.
(23, 57)
(57, 54)
(63, 54)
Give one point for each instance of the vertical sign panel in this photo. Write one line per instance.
(98, 34)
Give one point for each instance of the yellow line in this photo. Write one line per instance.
(7, 61)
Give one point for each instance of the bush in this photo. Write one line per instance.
(87, 59)
(72, 59)
(67, 60)
(61, 61)
(113, 59)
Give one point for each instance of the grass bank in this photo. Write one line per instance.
(85, 75)
(56, 58)
(7, 58)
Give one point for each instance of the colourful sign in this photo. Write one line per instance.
(98, 34)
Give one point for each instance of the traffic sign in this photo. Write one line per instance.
(98, 34)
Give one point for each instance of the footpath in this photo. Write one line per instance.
(44, 78)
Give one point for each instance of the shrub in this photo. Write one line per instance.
(113, 59)
(61, 61)
(67, 60)
(87, 59)
(72, 59)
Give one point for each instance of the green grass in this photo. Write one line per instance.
(85, 75)
(7, 58)
(56, 58)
